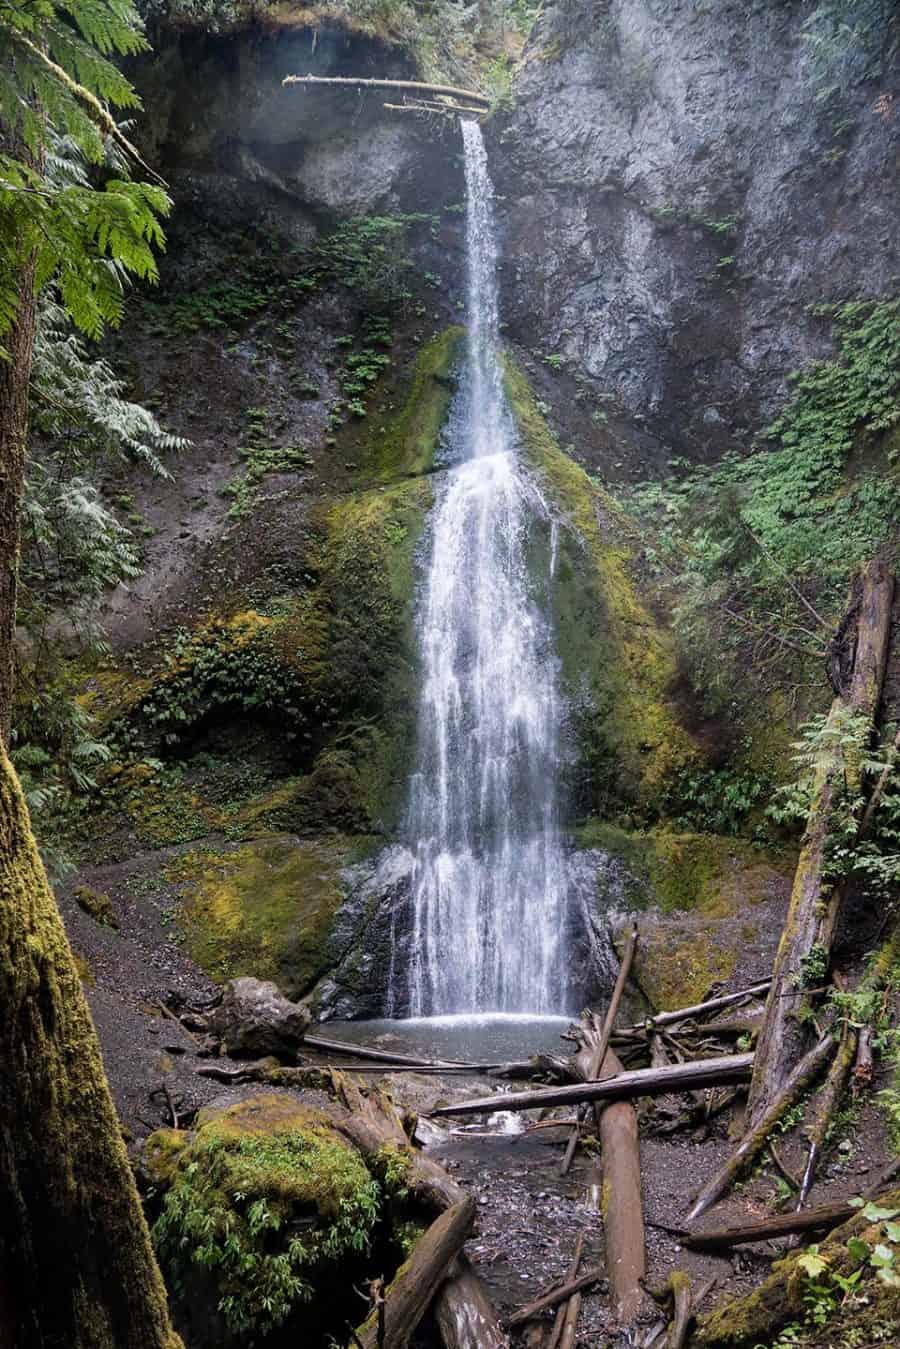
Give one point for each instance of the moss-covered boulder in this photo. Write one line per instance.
(268, 1213)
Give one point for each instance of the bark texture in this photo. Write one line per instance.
(815, 899)
(77, 1270)
(14, 376)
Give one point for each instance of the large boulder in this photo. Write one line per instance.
(254, 1018)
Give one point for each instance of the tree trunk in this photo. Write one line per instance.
(813, 909)
(76, 1265)
(14, 376)
(406, 1300)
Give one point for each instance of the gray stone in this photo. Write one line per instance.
(254, 1018)
(638, 131)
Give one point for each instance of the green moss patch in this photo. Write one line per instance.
(97, 904)
(405, 446)
(618, 663)
(709, 903)
(269, 1200)
(263, 909)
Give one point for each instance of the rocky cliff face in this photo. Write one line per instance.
(679, 190)
(229, 133)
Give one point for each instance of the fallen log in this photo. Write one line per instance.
(847, 1058)
(623, 1218)
(570, 1324)
(769, 1229)
(701, 1008)
(555, 1296)
(407, 1299)
(806, 1071)
(715, 1072)
(411, 86)
(464, 1313)
(598, 1051)
(826, 1104)
(864, 1064)
(813, 908)
(348, 1050)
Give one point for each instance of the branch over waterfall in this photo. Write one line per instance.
(396, 86)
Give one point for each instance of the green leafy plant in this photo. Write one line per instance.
(755, 552)
(264, 1214)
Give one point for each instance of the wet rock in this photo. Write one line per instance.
(255, 1019)
(370, 940)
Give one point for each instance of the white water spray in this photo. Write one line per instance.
(489, 878)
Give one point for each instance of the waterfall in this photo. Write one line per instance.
(489, 873)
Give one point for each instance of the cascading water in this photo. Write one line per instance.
(489, 876)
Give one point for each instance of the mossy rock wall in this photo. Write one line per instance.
(618, 662)
(711, 908)
(264, 908)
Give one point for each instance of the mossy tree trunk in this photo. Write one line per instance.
(815, 897)
(77, 1270)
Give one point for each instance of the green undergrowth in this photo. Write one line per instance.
(754, 554)
(618, 663)
(264, 908)
(262, 456)
(367, 254)
(841, 1294)
(272, 1204)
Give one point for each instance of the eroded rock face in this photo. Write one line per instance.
(234, 139)
(254, 1018)
(677, 195)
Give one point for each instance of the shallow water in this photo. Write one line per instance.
(490, 1038)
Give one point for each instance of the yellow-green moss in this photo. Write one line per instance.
(162, 1151)
(709, 872)
(97, 904)
(608, 639)
(756, 1319)
(264, 909)
(706, 888)
(405, 445)
(64, 1168)
(85, 973)
(270, 1199)
(159, 808)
